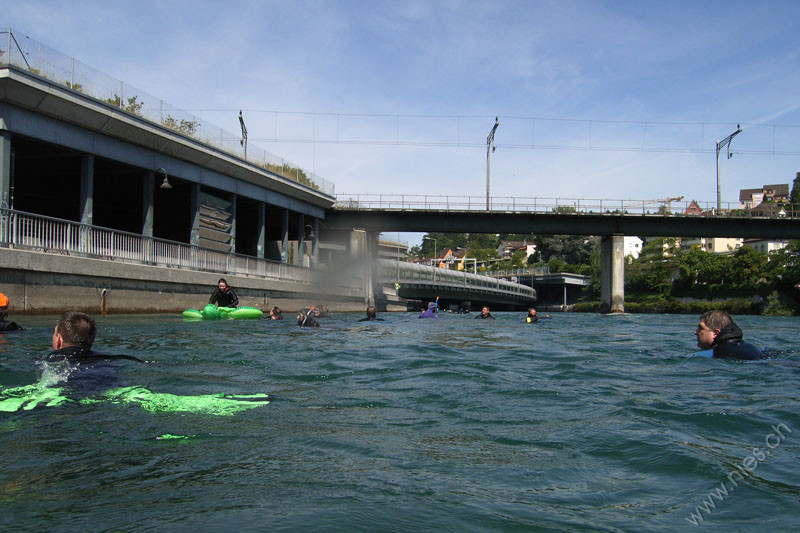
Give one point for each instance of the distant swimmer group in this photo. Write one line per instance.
(719, 336)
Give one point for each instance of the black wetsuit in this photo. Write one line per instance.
(5, 325)
(729, 345)
(487, 315)
(226, 298)
(89, 372)
(371, 319)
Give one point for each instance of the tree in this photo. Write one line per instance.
(795, 196)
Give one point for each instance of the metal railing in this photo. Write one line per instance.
(39, 233)
(23, 52)
(566, 206)
(416, 274)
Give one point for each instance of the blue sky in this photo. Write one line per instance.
(373, 73)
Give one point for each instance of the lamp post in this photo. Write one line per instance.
(489, 149)
(726, 142)
(435, 249)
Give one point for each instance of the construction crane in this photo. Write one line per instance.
(663, 201)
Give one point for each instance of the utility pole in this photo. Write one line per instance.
(726, 142)
(489, 149)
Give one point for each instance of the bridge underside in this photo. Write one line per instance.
(563, 223)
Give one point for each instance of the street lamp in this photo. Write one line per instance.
(489, 149)
(726, 142)
(435, 249)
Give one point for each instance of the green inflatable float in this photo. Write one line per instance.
(212, 312)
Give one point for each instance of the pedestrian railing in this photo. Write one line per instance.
(422, 275)
(28, 231)
(563, 206)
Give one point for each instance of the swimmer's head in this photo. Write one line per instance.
(74, 329)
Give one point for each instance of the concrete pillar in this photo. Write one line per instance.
(233, 224)
(612, 274)
(370, 267)
(147, 203)
(261, 230)
(285, 236)
(301, 240)
(86, 203)
(87, 189)
(5, 169)
(315, 245)
(194, 217)
(565, 295)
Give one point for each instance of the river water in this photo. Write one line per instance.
(579, 423)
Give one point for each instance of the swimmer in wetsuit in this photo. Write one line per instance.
(430, 312)
(223, 295)
(372, 315)
(718, 334)
(5, 324)
(306, 319)
(275, 313)
(485, 314)
(532, 317)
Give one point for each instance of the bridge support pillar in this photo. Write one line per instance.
(194, 217)
(315, 244)
(5, 169)
(148, 187)
(301, 240)
(371, 268)
(285, 236)
(86, 201)
(612, 274)
(261, 230)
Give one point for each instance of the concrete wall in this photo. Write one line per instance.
(46, 283)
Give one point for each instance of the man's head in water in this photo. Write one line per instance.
(74, 329)
(485, 310)
(275, 313)
(222, 284)
(709, 326)
(372, 312)
(532, 312)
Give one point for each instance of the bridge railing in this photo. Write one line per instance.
(510, 204)
(28, 231)
(415, 274)
(23, 52)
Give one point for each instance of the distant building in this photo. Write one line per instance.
(392, 250)
(693, 209)
(714, 245)
(765, 245)
(751, 198)
(632, 247)
(507, 248)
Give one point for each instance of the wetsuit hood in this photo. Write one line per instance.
(731, 332)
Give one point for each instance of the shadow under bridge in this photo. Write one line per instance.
(421, 282)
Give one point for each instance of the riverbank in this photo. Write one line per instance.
(736, 306)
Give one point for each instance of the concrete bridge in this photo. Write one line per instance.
(609, 219)
(460, 288)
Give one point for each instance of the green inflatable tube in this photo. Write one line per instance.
(212, 312)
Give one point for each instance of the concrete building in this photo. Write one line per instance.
(632, 247)
(765, 245)
(715, 245)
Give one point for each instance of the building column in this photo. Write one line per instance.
(315, 245)
(612, 274)
(285, 236)
(86, 202)
(233, 224)
(301, 239)
(370, 267)
(194, 217)
(5, 169)
(147, 203)
(261, 230)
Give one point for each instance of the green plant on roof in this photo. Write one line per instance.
(187, 127)
(131, 105)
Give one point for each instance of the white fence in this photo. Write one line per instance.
(415, 274)
(51, 235)
(577, 206)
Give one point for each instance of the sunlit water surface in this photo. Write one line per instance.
(582, 422)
